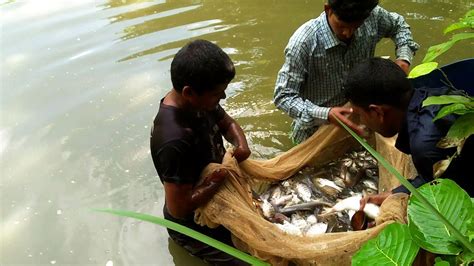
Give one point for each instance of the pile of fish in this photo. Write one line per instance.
(322, 200)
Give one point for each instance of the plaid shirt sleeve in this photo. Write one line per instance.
(290, 81)
(392, 25)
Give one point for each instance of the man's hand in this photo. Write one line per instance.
(241, 153)
(341, 113)
(375, 199)
(404, 65)
(217, 176)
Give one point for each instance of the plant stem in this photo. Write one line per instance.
(411, 188)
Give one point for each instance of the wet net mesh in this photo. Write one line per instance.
(233, 206)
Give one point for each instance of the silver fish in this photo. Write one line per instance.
(289, 228)
(353, 203)
(316, 229)
(307, 206)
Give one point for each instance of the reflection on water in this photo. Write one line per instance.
(80, 84)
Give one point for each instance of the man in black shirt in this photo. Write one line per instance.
(187, 135)
(386, 102)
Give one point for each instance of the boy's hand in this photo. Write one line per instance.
(341, 113)
(241, 153)
(218, 176)
(404, 65)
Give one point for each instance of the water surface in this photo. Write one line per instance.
(80, 84)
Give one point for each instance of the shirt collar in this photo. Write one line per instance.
(403, 142)
(330, 40)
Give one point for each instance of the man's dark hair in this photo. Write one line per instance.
(378, 81)
(201, 65)
(352, 10)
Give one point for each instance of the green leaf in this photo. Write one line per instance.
(440, 167)
(466, 258)
(463, 127)
(422, 69)
(440, 262)
(459, 25)
(393, 246)
(451, 259)
(436, 50)
(462, 36)
(446, 99)
(466, 22)
(453, 203)
(469, 13)
(455, 108)
(189, 232)
(446, 143)
(470, 226)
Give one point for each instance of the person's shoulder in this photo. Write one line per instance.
(170, 126)
(308, 30)
(378, 10)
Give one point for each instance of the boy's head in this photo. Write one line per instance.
(345, 16)
(201, 65)
(379, 92)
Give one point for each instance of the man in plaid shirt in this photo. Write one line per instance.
(321, 51)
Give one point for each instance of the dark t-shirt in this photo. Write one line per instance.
(419, 136)
(182, 143)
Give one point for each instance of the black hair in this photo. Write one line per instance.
(378, 81)
(352, 10)
(201, 65)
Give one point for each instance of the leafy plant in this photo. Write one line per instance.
(461, 129)
(189, 232)
(393, 244)
(427, 65)
(454, 104)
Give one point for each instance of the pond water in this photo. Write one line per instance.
(80, 84)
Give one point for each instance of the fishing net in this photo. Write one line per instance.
(234, 208)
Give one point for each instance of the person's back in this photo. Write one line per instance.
(321, 51)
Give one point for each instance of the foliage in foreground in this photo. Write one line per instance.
(428, 65)
(461, 129)
(189, 232)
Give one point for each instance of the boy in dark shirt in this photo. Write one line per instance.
(187, 135)
(382, 95)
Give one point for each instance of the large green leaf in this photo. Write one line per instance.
(446, 99)
(436, 50)
(189, 232)
(422, 69)
(466, 22)
(455, 108)
(463, 24)
(463, 127)
(453, 203)
(462, 36)
(393, 246)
